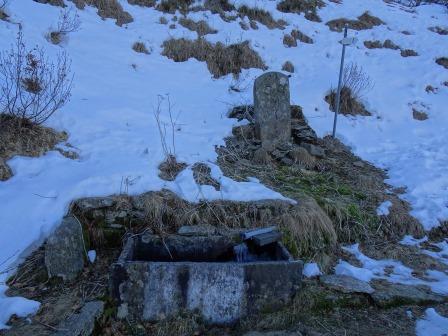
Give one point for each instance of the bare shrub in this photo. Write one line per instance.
(140, 47)
(308, 7)
(260, 15)
(364, 21)
(355, 83)
(68, 22)
(201, 27)
(288, 66)
(32, 86)
(221, 59)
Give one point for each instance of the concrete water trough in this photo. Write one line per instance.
(220, 277)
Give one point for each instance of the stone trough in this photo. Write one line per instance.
(215, 276)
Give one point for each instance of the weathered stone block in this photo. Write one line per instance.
(64, 251)
(272, 110)
(155, 279)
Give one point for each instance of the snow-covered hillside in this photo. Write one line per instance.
(110, 118)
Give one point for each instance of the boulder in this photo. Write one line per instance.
(272, 110)
(314, 150)
(82, 323)
(346, 284)
(388, 294)
(65, 250)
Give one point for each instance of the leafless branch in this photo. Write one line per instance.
(31, 86)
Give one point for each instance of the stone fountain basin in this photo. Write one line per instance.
(154, 279)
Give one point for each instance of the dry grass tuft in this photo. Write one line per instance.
(171, 6)
(419, 115)
(143, 3)
(27, 140)
(301, 156)
(289, 41)
(298, 35)
(201, 27)
(387, 44)
(170, 168)
(107, 9)
(308, 7)
(163, 20)
(288, 67)
(260, 15)
(58, 3)
(221, 60)
(439, 30)
(307, 229)
(349, 104)
(140, 47)
(408, 53)
(364, 21)
(202, 175)
(443, 61)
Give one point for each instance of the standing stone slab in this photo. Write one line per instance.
(64, 251)
(272, 109)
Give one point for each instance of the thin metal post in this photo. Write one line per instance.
(338, 96)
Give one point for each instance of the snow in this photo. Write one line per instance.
(383, 209)
(91, 255)
(110, 117)
(432, 324)
(311, 270)
(390, 270)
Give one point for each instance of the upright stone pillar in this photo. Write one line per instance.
(272, 109)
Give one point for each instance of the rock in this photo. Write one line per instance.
(314, 150)
(244, 132)
(273, 333)
(94, 203)
(346, 284)
(261, 156)
(65, 250)
(197, 230)
(287, 161)
(388, 294)
(272, 110)
(82, 323)
(359, 164)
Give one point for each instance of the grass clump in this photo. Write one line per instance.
(364, 21)
(107, 9)
(288, 67)
(308, 7)
(142, 3)
(200, 27)
(171, 6)
(260, 15)
(221, 59)
(140, 47)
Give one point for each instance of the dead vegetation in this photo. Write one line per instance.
(221, 59)
(307, 7)
(419, 115)
(262, 16)
(443, 61)
(143, 3)
(200, 27)
(28, 139)
(3, 15)
(58, 3)
(171, 6)
(439, 30)
(355, 83)
(140, 47)
(298, 35)
(387, 44)
(288, 67)
(170, 168)
(202, 175)
(68, 22)
(364, 21)
(408, 53)
(107, 9)
(289, 41)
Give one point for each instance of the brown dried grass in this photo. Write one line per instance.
(261, 16)
(221, 60)
(308, 7)
(364, 21)
(201, 27)
(140, 47)
(107, 9)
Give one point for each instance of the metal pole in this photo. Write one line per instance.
(338, 96)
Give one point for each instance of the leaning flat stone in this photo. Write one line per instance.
(64, 251)
(346, 284)
(83, 323)
(388, 294)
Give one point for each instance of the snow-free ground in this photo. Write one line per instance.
(110, 117)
